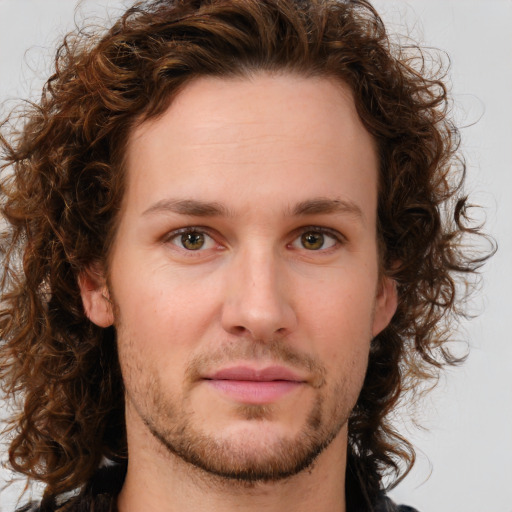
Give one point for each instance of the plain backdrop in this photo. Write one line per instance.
(465, 450)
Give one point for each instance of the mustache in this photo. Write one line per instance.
(273, 351)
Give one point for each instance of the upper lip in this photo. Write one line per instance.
(247, 373)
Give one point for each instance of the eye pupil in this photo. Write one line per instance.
(192, 241)
(312, 240)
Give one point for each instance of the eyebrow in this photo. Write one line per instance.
(190, 207)
(322, 205)
(195, 208)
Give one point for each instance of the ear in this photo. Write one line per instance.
(95, 296)
(385, 305)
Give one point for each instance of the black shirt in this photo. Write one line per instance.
(100, 495)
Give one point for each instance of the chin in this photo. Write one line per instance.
(254, 448)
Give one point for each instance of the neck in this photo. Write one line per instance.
(159, 481)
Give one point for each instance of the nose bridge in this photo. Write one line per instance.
(257, 299)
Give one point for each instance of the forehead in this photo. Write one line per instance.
(266, 135)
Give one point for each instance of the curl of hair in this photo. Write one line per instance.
(62, 187)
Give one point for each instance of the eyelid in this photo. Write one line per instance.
(333, 233)
(325, 231)
(171, 235)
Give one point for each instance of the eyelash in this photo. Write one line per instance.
(338, 238)
(184, 231)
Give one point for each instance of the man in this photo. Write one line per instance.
(239, 227)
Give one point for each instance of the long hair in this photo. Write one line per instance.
(62, 185)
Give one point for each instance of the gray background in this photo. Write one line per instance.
(465, 451)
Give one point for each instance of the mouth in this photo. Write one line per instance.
(255, 386)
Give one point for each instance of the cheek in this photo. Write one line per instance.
(160, 312)
(339, 316)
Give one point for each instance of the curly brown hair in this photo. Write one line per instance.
(62, 185)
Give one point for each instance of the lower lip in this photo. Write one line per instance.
(255, 392)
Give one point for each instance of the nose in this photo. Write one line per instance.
(257, 299)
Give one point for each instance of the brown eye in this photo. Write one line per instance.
(312, 240)
(317, 239)
(192, 241)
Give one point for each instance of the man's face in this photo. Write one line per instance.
(245, 274)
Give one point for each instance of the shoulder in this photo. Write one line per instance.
(81, 503)
(98, 495)
(31, 507)
(385, 504)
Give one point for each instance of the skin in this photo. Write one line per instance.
(280, 269)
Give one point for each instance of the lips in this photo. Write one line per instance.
(270, 373)
(255, 386)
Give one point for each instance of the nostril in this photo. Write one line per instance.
(239, 329)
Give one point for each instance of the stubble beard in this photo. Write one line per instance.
(235, 460)
(230, 460)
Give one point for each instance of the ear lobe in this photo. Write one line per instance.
(96, 297)
(385, 306)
